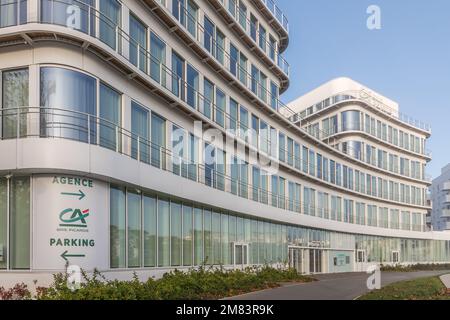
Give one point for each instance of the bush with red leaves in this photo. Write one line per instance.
(18, 292)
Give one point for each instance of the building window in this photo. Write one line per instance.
(140, 133)
(134, 229)
(110, 117)
(138, 43)
(192, 86)
(117, 228)
(351, 120)
(178, 75)
(55, 12)
(192, 18)
(3, 222)
(12, 13)
(163, 233)
(15, 91)
(76, 94)
(19, 228)
(149, 231)
(110, 22)
(158, 59)
(158, 136)
(175, 233)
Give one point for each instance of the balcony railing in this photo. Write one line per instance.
(271, 50)
(351, 126)
(278, 13)
(53, 123)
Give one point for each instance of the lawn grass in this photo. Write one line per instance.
(419, 289)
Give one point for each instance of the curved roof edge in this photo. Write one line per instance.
(334, 87)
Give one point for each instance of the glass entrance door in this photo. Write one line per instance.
(360, 260)
(315, 261)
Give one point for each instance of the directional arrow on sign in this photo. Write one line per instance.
(66, 255)
(80, 194)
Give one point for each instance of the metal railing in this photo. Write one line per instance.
(271, 50)
(278, 13)
(350, 126)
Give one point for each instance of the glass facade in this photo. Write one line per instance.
(193, 235)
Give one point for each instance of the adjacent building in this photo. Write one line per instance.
(440, 198)
(149, 135)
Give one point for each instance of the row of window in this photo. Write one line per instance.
(187, 12)
(68, 91)
(359, 121)
(186, 77)
(148, 52)
(266, 42)
(150, 231)
(363, 96)
(383, 160)
(154, 231)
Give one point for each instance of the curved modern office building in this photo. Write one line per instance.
(149, 135)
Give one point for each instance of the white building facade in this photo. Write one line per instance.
(440, 199)
(149, 135)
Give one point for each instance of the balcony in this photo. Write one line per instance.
(446, 186)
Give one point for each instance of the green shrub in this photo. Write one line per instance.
(196, 284)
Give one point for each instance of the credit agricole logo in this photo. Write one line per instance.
(74, 218)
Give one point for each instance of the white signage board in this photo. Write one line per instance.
(70, 223)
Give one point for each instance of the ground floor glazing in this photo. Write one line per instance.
(149, 230)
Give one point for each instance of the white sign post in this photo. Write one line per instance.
(70, 223)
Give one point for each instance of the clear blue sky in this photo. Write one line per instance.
(408, 60)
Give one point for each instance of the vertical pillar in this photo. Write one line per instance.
(33, 11)
(124, 42)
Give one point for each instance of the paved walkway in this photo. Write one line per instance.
(347, 286)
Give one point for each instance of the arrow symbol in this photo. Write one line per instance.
(80, 194)
(66, 255)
